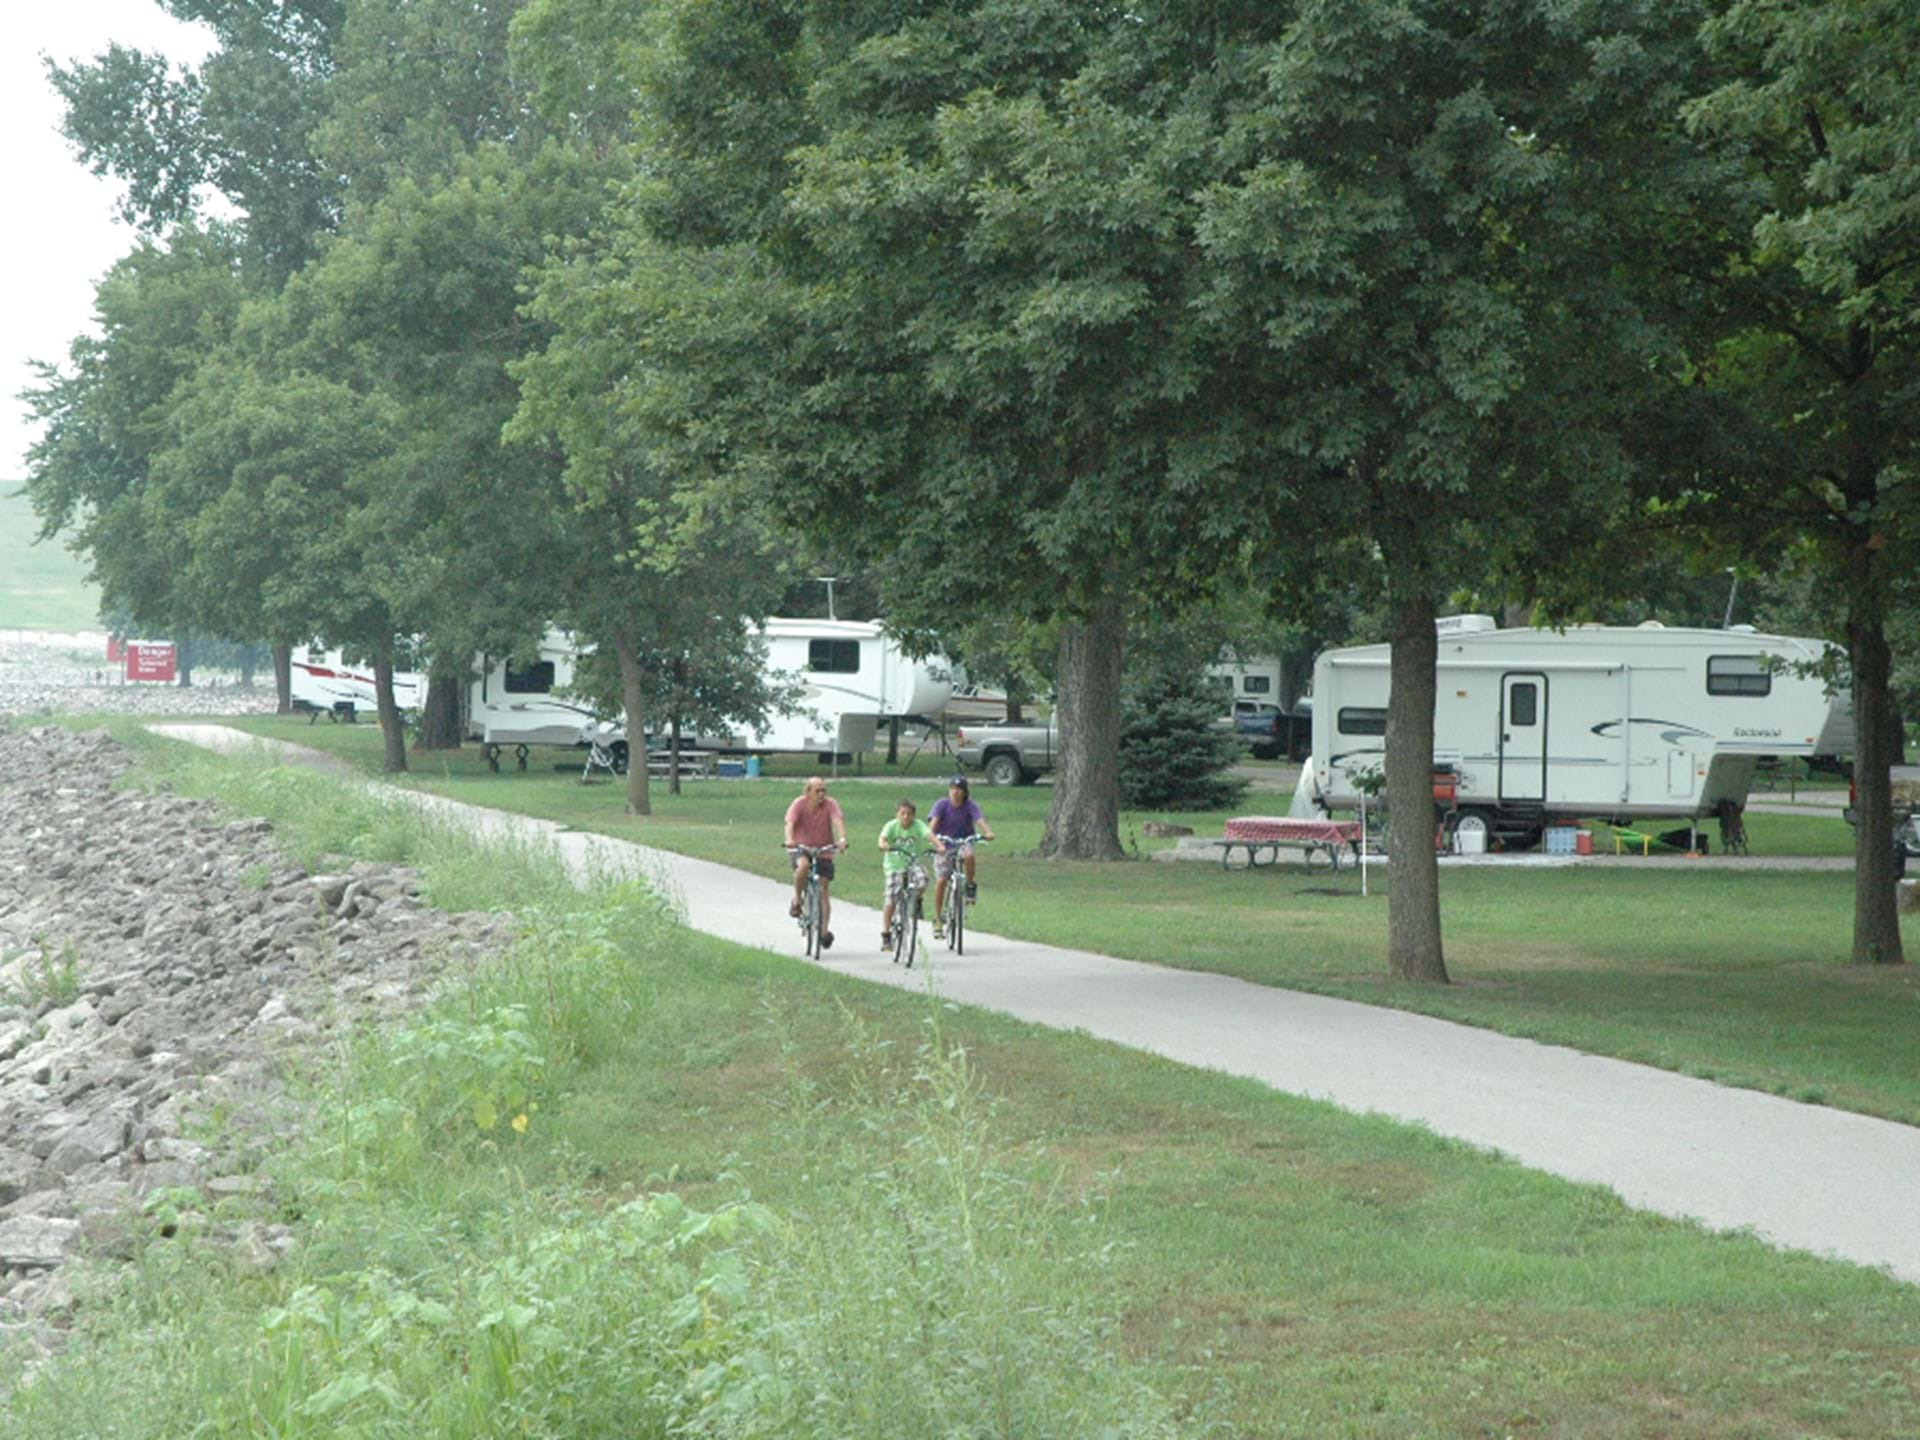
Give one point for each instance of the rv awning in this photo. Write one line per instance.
(1517, 664)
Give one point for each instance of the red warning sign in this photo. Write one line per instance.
(116, 649)
(150, 660)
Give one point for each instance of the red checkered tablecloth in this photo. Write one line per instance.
(1279, 827)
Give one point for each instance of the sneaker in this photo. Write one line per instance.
(973, 892)
(793, 911)
(826, 940)
(886, 941)
(939, 929)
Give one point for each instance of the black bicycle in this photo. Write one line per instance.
(954, 917)
(810, 897)
(906, 906)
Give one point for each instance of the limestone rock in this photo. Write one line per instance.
(34, 1243)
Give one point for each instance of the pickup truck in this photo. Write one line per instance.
(1009, 754)
(1906, 814)
(1267, 732)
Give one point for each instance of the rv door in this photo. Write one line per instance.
(1523, 737)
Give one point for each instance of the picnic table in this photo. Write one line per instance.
(694, 764)
(1273, 833)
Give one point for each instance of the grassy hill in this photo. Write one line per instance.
(43, 586)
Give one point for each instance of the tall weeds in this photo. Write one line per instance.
(457, 1276)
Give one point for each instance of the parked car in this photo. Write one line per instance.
(1007, 754)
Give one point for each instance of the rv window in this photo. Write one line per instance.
(1738, 675)
(1258, 684)
(536, 679)
(1523, 704)
(1362, 722)
(834, 657)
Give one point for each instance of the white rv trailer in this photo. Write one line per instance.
(517, 704)
(850, 675)
(1251, 678)
(321, 682)
(1595, 721)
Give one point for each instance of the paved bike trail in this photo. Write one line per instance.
(1799, 1176)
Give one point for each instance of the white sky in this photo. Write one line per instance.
(62, 234)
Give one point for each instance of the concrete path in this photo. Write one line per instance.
(1800, 1176)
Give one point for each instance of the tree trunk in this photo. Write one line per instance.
(1516, 615)
(283, 679)
(440, 727)
(893, 741)
(1083, 822)
(634, 703)
(1296, 677)
(1016, 713)
(1876, 917)
(1876, 911)
(673, 757)
(248, 663)
(1413, 896)
(183, 657)
(392, 730)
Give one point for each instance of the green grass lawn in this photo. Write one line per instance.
(42, 586)
(1276, 1267)
(1729, 975)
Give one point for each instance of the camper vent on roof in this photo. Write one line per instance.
(1463, 624)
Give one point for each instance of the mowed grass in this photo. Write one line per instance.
(1276, 1267)
(1738, 976)
(43, 586)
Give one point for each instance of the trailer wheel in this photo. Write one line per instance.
(1005, 769)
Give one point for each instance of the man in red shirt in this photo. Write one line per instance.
(814, 819)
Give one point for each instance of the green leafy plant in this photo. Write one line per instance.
(49, 977)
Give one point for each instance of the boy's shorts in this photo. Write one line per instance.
(895, 883)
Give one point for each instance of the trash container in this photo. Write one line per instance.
(1583, 842)
(753, 767)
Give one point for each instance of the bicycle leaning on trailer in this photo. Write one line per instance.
(954, 918)
(810, 897)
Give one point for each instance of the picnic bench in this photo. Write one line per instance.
(1269, 834)
(694, 764)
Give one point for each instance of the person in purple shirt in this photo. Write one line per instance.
(955, 817)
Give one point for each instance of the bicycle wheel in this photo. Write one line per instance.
(957, 913)
(906, 936)
(811, 925)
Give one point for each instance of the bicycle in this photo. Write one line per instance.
(810, 927)
(955, 917)
(906, 906)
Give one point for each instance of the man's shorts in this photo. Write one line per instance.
(823, 864)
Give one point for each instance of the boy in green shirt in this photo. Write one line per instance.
(905, 833)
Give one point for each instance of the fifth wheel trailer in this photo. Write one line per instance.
(321, 682)
(1595, 721)
(849, 676)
